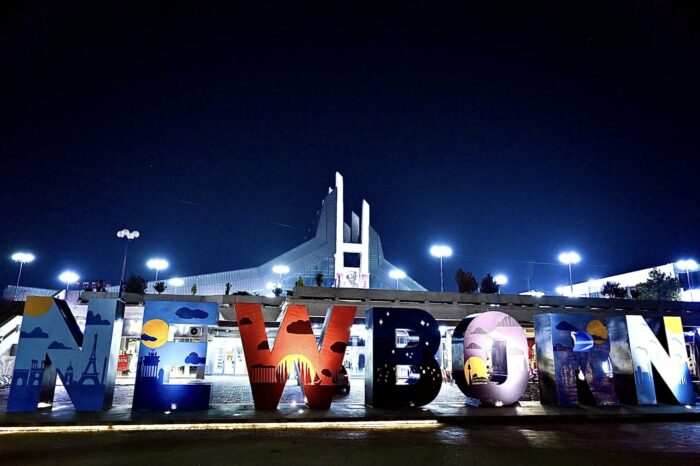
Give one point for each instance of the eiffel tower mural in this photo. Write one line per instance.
(90, 372)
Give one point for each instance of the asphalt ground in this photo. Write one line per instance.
(560, 444)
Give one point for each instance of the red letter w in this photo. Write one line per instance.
(294, 348)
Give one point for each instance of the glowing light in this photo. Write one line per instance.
(397, 274)
(157, 264)
(570, 257)
(346, 425)
(68, 277)
(501, 279)
(536, 294)
(176, 282)
(280, 269)
(128, 234)
(23, 257)
(687, 264)
(441, 251)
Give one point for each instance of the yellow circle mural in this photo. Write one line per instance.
(154, 333)
(302, 362)
(36, 306)
(598, 331)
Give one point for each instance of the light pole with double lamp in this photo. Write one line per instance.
(570, 258)
(157, 265)
(500, 280)
(128, 236)
(397, 275)
(68, 277)
(441, 251)
(688, 265)
(22, 258)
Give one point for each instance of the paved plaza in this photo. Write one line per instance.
(236, 390)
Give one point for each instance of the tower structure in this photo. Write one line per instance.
(347, 254)
(351, 243)
(90, 372)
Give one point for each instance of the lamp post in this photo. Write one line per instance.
(441, 251)
(280, 270)
(500, 280)
(128, 236)
(569, 258)
(397, 275)
(176, 282)
(68, 277)
(22, 258)
(688, 265)
(158, 265)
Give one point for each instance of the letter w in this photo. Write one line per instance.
(295, 353)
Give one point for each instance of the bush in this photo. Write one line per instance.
(135, 284)
(466, 283)
(489, 285)
(659, 287)
(613, 290)
(159, 287)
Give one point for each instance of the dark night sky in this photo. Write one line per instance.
(508, 132)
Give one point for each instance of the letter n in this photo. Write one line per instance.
(51, 343)
(651, 352)
(401, 368)
(295, 352)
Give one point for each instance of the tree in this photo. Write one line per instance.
(299, 282)
(466, 283)
(160, 287)
(659, 287)
(135, 284)
(489, 285)
(613, 290)
(277, 290)
(319, 279)
(101, 286)
(193, 290)
(228, 288)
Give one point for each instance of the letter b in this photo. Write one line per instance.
(401, 368)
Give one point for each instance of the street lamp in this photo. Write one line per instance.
(176, 282)
(397, 275)
(158, 265)
(68, 277)
(688, 265)
(22, 258)
(569, 258)
(500, 280)
(280, 270)
(441, 251)
(128, 236)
